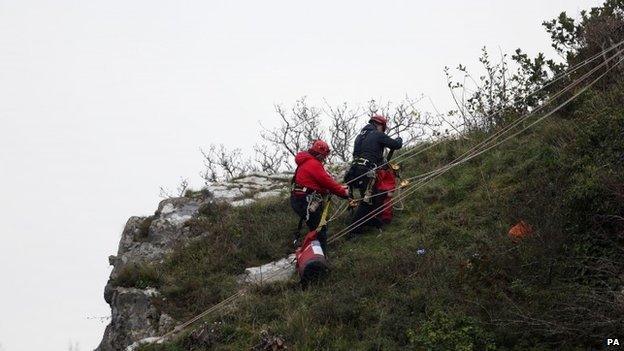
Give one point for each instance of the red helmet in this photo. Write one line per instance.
(319, 147)
(379, 119)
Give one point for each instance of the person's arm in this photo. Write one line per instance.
(392, 144)
(323, 178)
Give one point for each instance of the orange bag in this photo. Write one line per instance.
(520, 231)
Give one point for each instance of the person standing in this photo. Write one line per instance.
(311, 183)
(368, 155)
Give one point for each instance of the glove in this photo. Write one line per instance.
(399, 139)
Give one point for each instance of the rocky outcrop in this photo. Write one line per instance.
(134, 315)
(145, 240)
(271, 272)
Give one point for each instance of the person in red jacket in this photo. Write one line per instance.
(310, 183)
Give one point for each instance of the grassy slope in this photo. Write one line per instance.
(473, 289)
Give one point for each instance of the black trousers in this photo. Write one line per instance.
(299, 204)
(365, 210)
(357, 179)
(360, 182)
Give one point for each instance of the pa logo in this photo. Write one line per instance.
(613, 342)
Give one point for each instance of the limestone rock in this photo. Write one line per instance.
(281, 270)
(144, 239)
(136, 320)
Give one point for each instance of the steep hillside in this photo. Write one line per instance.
(446, 274)
(473, 288)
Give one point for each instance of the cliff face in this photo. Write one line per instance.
(134, 315)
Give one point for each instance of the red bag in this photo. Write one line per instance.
(386, 182)
(310, 259)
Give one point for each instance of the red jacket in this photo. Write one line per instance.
(311, 174)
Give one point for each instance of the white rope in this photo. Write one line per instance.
(493, 137)
(554, 80)
(410, 190)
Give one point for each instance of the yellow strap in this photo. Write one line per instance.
(325, 213)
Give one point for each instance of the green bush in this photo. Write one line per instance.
(445, 331)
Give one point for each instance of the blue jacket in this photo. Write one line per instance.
(370, 144)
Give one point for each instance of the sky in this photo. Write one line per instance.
(103, 102)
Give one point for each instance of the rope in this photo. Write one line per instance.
(323, 221)
(339, 212)
(501, 132)
(554, 80)
(216, 307)
(445, 169)
(414, 152)
(430, 176)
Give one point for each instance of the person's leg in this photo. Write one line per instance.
(314, 218)
(355, 178)
(299, 204)
(363, 208)
(360, 219)
(378, 201)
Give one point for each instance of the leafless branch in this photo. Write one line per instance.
(220, 162)
(343, 130)
(180, 190)
(298, 127)
(269, 158)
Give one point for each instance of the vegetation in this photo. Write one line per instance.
(200, 275)
(138, 275)
(144, 226)
(473, 288)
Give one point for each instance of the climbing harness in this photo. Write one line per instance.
(372, 177)
(314, 201)
(358, 161)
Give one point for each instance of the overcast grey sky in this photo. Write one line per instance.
(104, 101)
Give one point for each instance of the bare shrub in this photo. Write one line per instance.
(298, 127)
(301, 124)
(219, 162)
(268, 158)
(343, 130)
(411, 124)
(508, 88)
(180, 190)
(406, 120)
